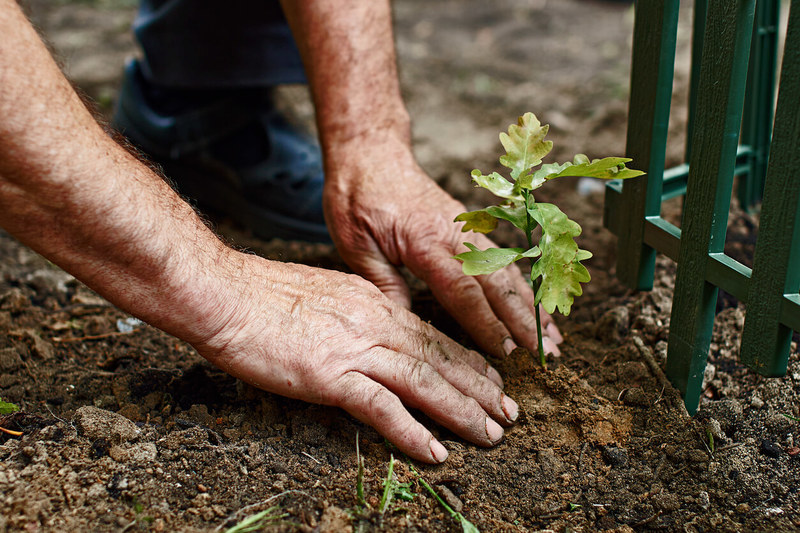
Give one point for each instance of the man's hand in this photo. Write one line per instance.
(83, 202)
(332, 338)
(383, 212)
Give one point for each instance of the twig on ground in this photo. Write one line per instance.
(243, 510)
(100, 336)
(648, 519)
(11, 432)
(661, 395)
(649, 358)
(58, 417)
(311, 457)
(72, 307)
(729, 446)
(647, 353)
(681, 469)
(579, 467)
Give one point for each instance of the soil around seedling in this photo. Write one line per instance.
(125, 428)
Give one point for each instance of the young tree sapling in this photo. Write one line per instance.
(556, 269)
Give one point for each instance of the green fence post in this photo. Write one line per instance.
(720, 97)
(654, 36)
(698, 28)
(759, 101)
(776, 267)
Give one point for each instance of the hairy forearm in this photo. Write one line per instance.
(71, 193)
(348, 50)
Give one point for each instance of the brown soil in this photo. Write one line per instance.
(133, 431)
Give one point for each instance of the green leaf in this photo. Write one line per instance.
(485, 220)
(496, 184)
(516, 214)
(608, 168)
(536, 179)
(533, 252)
(258, 521)
(525, 145)
(478, 221)
(559, 267)
(6, 408)
(466, 525)
(477, 262)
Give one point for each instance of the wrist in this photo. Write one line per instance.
(383, 124)
(374, 153)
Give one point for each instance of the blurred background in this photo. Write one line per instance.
(468, 68)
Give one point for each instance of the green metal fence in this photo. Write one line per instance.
(732, 87)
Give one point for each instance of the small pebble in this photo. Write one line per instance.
(756, 402)
(770, 449)
(635, 397)
(704, 500)
(617, 457)
(452, 500)
(202, 488)
(667, 502)
(696, 456)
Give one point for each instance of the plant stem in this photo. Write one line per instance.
(466, 525)
(529, 234)
(387, 487)
(360, 477)
(542, 358)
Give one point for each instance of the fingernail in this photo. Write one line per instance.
(554, 334)
(551, 347)
(509, 345)
(493, 430)
(510, 408)
(438, 451)
(494, 375)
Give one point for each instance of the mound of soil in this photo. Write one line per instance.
(125, 428)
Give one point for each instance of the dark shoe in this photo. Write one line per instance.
(231, 152)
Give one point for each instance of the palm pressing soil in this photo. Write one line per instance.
(127, 429)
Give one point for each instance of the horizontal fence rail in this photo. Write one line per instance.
(731, 101)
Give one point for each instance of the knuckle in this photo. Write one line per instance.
(462, 287)
(432, 351)
(475, 415)
(422, 376)
(381, 404)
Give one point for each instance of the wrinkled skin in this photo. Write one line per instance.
(72, 194)
(333, 338)
(399, 216)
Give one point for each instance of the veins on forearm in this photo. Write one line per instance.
(348, 50)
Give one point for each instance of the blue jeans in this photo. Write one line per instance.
(202, 44)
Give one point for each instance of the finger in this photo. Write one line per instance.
(456, 365)
(512, 299)
(463, 297)
(512, 302)
(427, 343)
(550, 346)
(419, 385)
(388, 279)
(554, 333)
(366, 258)
(375, 405)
